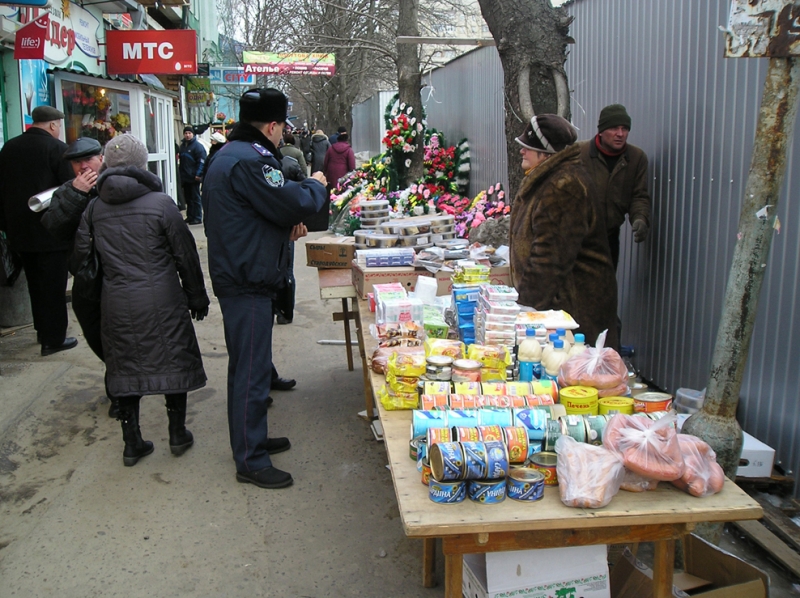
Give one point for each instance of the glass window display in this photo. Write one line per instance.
(95, 111)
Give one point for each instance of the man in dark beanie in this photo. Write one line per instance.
(193, 158)
(557, 234)
(253, 213)
(619, 173)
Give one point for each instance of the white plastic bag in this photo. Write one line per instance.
(588, 476)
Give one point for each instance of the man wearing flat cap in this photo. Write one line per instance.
(619, 172)
(560, 257)
(252, 214)
(29, 164)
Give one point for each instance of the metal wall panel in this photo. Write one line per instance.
(694, 113)
(368, 125)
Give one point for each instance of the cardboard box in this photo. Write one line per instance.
(365, 278)
(330, 252)
(756, 460)
(710, 573)
(569, 572)
(497, 275)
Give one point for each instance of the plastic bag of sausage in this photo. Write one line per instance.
(649, 448)
(599, 367)
(702, 475)
(588, 476)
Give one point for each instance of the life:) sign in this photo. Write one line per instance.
(151, 52)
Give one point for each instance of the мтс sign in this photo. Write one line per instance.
(152, 52)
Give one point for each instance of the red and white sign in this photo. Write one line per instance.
(170, 52)
(29, 42)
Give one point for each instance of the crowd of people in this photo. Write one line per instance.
(252, 192)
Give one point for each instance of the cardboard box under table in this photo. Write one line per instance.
(658, 516)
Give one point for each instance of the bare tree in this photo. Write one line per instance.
(531, 38)
(409, 80)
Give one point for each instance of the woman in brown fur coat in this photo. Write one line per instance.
(560, 257)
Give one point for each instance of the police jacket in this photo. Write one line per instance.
(193, 158)
(250, 209)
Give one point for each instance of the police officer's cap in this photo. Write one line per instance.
(263, 105)
(83, 147)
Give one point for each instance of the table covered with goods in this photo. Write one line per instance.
(506, 431)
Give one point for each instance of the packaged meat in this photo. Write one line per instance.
(702, 475)
(588, 476)
(633, 482)
(649, 448)
(600, 367)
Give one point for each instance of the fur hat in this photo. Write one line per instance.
(44, 114)
(264, 105)
(548, 133)
(612, 116)
(125, 150)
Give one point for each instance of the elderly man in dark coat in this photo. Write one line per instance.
(30, 164)
(152, 287)
(560, 257)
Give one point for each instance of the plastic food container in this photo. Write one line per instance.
(467, 370)
(379, 240)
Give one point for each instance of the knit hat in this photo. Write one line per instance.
(83, 147)
(264, 105)
(548, 133)
(125, 150)
(44, 114)
(189, 128)
(612, 116)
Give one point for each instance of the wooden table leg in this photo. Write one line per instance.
(429, 562)
(663, 565)
(364, 367)
(453, 571)
(346, 320)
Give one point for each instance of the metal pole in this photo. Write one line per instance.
(716, 423)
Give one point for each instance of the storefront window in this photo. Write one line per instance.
(95, 111)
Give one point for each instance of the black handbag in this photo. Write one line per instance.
(89, 276)
(283, 305)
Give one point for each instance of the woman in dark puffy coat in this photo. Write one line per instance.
(152, 287)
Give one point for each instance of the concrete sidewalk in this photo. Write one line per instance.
(75, 523)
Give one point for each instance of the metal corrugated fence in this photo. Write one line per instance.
(368, 125)
(694, 113)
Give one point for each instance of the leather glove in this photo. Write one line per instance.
(199, 314)
(639, 230)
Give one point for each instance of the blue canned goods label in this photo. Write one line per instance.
(447, 492)
(487, 493)
(422, 420)
(534, 420)
(496, 460)
(475, 465)
(528, 490)
(495, 417)
(462, 418)
(447, 461)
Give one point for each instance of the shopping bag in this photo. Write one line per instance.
(12, 263)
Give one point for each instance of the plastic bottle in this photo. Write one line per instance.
(530, 357)
(579, 346)
(548, 348)
(541, 336)
(562, 334)
(554, 361)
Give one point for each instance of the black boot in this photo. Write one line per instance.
(180, 439)
(135, 447)
(113, 408)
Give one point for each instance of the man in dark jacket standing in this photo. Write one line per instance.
(253, 213)
(30, 164)
(619, 174)
(193, 159)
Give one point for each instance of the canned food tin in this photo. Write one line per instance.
(467, 370)
(517, 442)
(495, 416)
(657, 415)
(413, 448)
(488, 433)
(466, 388)
(436, 387)
(426, 471)
(546, 463)
(595, 425)
(525, 484)
(486, 493)
(518, 401)
(475, 465)
(533, 420)
(437, 435)
(447, 461)
(647, 402)
(502, 401)
(493, 388)
(518, 389)
(613, 405)
(470, 401)
(579, 400)
(422, 420)
(552, 433)
(422, 453)
(536, 400)
(557, 411)
(439, 367)
(456, 402)
(545, 387)
(462, 434)
(573, 425)
(464, 418)
(447, 493)
(496, 459)
(429, 402)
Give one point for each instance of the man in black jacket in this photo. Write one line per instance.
(193, 159)
(30, 164)
(252, 214)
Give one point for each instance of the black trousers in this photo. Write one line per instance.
(194, 207)
(47, 286)
(613, 244)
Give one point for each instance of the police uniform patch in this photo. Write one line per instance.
(262, 150)
(273, 176)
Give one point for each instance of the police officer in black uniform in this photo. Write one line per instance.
(252, 214)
